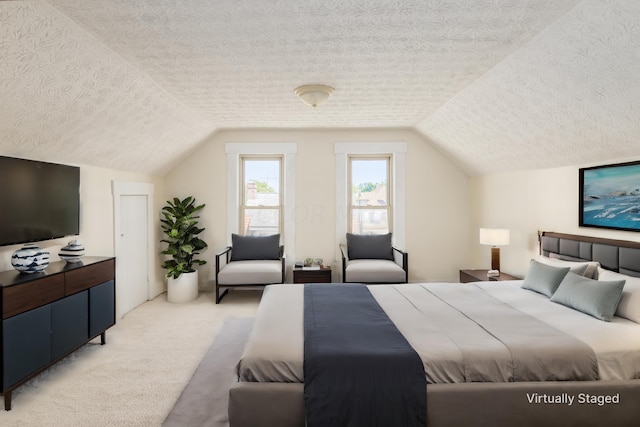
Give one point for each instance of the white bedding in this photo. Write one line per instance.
(616, 343)
(274, 352)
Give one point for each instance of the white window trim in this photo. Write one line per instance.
(398, 151)
(288, 150)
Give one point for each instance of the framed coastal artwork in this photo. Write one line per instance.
(610, 196)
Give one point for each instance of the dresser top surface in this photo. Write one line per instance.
(14, 277)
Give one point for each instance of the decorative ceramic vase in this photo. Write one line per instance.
(73, 252)
(30, 259)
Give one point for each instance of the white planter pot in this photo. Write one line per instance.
(182, 289)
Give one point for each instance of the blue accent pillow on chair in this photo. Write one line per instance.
(245, 248)
(368, 246)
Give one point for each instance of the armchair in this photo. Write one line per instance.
(373, 259)
(250, 261)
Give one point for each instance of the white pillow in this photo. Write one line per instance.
(587, 269)
(629, 306)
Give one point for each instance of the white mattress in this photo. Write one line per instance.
(275, 348)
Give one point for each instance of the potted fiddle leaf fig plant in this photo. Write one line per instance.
(181, 230)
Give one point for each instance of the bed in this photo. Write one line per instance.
(461, 373)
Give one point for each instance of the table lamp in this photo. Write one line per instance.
(494, 237)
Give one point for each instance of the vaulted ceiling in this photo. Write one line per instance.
(495, 84)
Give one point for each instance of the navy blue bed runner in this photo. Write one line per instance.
(359, 370)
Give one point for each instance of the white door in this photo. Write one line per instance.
(133, 253)
(133, 205)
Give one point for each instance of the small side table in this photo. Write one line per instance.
(321, 275)
(467, 276)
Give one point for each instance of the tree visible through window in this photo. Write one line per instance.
(370, 209)
(261, 210)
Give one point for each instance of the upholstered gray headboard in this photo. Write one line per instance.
(622, 256)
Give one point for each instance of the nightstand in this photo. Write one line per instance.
(303, 275)
(467, 276)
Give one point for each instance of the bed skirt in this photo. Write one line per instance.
(255, 404)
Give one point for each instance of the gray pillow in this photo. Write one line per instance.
(543, 278)
(245, 248)
(597, 298)
(367, 246)
(587, 268)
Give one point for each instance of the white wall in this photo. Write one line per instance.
(97, 220)
(438, 197)
(445, 208)
(525, 202)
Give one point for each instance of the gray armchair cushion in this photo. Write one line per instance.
(246, 248)
(256, 272)
(360, 246)
(374, 271)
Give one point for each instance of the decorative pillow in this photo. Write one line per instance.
(583, 268)
(543, 278)
(246, 248)
(629, 306)
(369, 246)
(596, 298)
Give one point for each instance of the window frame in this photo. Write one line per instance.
(233, 151)
(352, 208)
(243, 191)
(398, 152)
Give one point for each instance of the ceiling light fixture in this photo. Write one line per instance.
(314, 95)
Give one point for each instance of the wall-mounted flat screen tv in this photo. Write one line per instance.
(610, 196)
(38, 201)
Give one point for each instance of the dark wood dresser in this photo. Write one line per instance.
(45, 316)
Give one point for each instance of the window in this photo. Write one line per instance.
(370, 208)
(284, 151)
(261, 195)
(395, 155)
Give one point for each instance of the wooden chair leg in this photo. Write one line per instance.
(7, 400)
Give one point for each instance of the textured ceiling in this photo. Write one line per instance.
(496, 84)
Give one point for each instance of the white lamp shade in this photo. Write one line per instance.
(494, 236)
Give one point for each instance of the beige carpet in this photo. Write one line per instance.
(136, 378)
